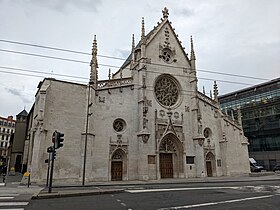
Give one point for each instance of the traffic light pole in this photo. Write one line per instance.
(51, 172)
(48, 173)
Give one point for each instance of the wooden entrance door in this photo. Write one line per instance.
(166, 166)
(209, 168)
(116, 171)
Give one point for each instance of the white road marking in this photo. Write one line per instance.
(13, 203)
(123, 204)
(13, 209)
(9, 194)
(6, 197)
(2, 184)
(118, 200)
(179, 189)
(215, 203)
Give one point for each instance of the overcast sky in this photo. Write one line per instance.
(237, 37)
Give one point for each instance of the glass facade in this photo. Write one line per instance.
(260, 108)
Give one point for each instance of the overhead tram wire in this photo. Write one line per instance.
(40, 72)
(105, 65)
(38, 76)
(123, 59)
(85, 78)
(58, 49)
(56, 58)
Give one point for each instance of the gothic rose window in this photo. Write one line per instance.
(166, 90)
(119, 125)
(207, 133)
(167, 56)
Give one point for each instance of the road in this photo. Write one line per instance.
(14, 200)
(228, 195)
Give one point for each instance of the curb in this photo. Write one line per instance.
(84, 191)
(46, 195)
(163, 183)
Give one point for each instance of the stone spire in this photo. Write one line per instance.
(216, 93)
(143, 40)
(165, 13)
(192, 50)
(133, 43)
(143, 29)
(109, 74)
(203, 90)
(94, 65)
(193, 68)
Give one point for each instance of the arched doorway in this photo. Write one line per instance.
(118, 165)
(210, 164)
(170, 157)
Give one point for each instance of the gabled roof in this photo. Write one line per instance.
(149, 37)
(23, 113)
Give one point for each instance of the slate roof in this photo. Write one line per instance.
(23, 113)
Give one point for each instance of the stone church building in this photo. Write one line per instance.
(147, 121)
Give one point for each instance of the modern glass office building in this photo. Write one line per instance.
(260, 108)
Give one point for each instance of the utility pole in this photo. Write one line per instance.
(86, 138)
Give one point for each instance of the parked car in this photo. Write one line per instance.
(276, 168)
(254, 166)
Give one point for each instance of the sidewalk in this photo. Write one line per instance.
(13, 185)
(93, 188)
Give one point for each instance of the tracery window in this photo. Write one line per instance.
(119, 125)
(167, 145)
(166, 56)
(117, 156)
(207, 133)
(166, 90)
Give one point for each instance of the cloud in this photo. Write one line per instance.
(122, 53)
(184, 12)
(58, 5)
(18, 93)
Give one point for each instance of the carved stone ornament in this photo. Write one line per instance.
(162, 113)
(176, 115)
(200, 142)
(167, 90)
(144, 135)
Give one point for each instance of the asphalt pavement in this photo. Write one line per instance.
(14, 185)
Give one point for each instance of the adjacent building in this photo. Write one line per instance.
(7, 129)
(18, 142)
(260, 108)
(147, 121)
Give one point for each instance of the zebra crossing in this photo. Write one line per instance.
(10, 201)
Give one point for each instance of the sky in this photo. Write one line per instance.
(233, 37)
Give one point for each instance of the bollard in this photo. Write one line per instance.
(28, 182)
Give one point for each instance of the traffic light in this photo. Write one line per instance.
(54, 155)
(59, 140)
(54, 137)
(50, 149)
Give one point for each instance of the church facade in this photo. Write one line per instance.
(147, 121)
